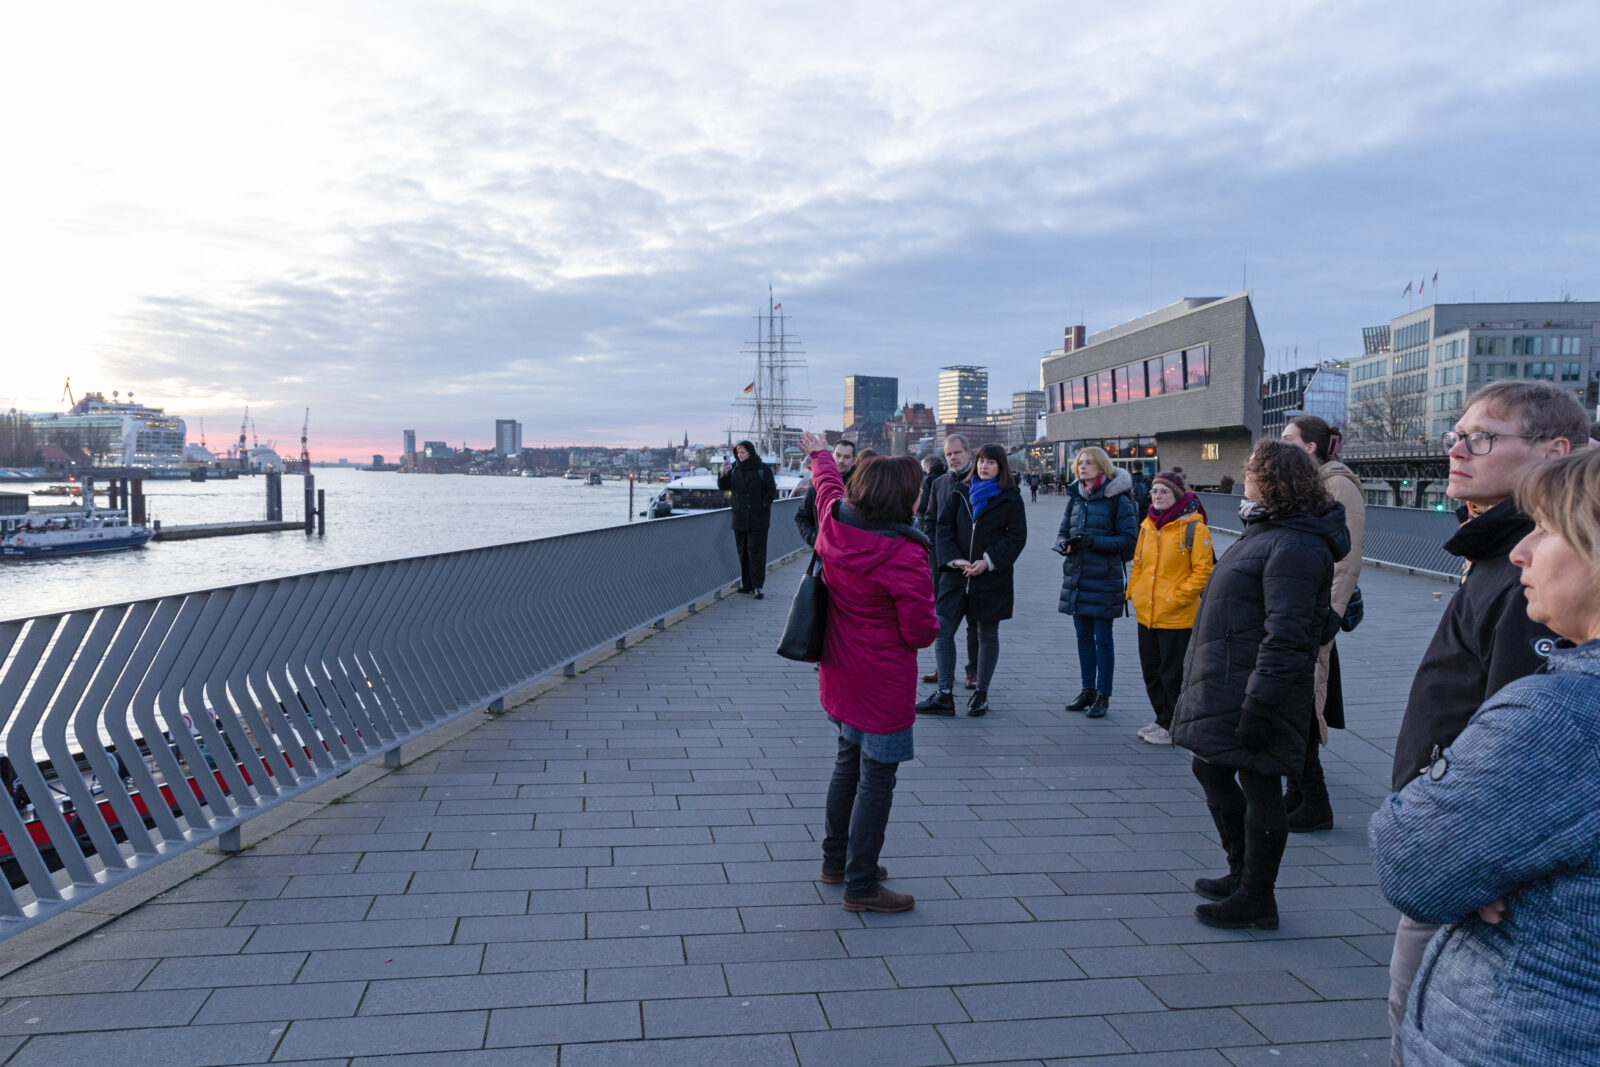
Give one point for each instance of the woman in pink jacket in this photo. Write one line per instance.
(880, 611)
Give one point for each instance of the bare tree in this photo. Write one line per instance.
(18, 447)
(1387, 418)
(97, 443)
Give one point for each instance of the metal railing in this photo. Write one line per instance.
(1411, 538)
(191, 713)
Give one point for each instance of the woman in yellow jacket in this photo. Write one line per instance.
(1171, 566)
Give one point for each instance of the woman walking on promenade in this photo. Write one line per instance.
(1171, 566)
(880, 611)
(1098, 531)
(754, 489)
(1307, 799)
(980, 534)
(1249, 680)
(1498, 838)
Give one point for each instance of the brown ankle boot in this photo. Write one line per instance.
(884, 900)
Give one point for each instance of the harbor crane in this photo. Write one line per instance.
(66, 393)
(244, 452)
(305, 456)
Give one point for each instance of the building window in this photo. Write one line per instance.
(1544, 371)
(1572, 372)
(1532, 345)
(1210, 450)
(1196, 367)
(1080, 393)
(1489, 346)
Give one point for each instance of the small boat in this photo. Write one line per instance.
(71, 533)
(572, 475)
(65, 490)
(594, 478)
(698, 492)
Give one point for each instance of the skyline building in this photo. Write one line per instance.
(1322, 390)
(963, 393)
(507, 437)
(869, 403)
(1026, 407)
(408, 445)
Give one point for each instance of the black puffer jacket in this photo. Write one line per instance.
(927, 512)
(1262, 619)
(753, 490)
(1484, 641)
(998, 536)
(805, 517)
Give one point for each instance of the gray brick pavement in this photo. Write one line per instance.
(622, 872)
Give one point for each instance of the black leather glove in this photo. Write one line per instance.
(1077, 542)
(1255, 731)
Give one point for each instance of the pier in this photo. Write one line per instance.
(621, 868)
(224, 529)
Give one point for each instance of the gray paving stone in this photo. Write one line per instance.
(1346, 983)
(768, 1050)
(497, 928)
(903, 941)
(1328, 1054)
(210, 972)
(895, 1046)
(83, 976)
(664, 922)
(656, 983)
(1186, 1058)
(958, 968)
(154, 944)
(1325, 1021)
(349, 964)
(1218, 990)
(300, 911)
(368, 934)
(564, 955)
(658, 875)
(546, 879)
(404, 996)
(1031, 1038)
(190, 1046)
(807, 976)
(1085, 933)
(893, 1007)
(74, 1012)
(431, 905)
(744, 948)
(1042, 1000)
(383, 1035)
(721, 1016)
(564, 1024)
(307, 1000)
(1199, 1028)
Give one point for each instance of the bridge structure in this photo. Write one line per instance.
(1409, 467)
(619, 866)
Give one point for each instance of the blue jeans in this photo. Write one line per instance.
(859, 798)
(1097, 656)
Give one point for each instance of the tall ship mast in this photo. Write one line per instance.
(776, 409)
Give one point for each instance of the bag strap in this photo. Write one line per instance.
(1188, 537)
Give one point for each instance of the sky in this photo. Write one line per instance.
(426, 216)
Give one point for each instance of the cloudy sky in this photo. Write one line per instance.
(431, 216)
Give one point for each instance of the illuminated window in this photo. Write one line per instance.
(1210, 451)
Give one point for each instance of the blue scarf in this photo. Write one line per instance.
(981, 491)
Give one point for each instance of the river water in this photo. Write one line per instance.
(372, 515)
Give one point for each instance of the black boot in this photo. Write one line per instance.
(1230, 831)
(978, 705)
(1292, 797)
(1102, 703)
(1314, 812)
(1253, 903)
(1083, 701)
(941, 702)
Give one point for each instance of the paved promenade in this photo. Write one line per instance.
(622, 872)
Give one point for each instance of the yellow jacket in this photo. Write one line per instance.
(1170, 571)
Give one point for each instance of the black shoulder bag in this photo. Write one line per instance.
(1354, 612)
(808, 617)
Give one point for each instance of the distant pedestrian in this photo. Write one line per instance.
(981, 532)
(1099, 530)
(1307, 800)
(805, 517)
(1249, 680)
(1485, 639)
(753, 490)
(880, 611)
(1033, 487)
(1171, 566)
(1497, 841)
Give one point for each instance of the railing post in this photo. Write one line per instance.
(496, 706)
(231, 840)
(392, 758)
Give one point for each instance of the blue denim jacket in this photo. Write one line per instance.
(1510, 811)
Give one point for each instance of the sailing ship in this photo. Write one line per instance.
(775, 410)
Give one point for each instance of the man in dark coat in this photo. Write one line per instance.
(844, 457)
(1485, 639)
(752, 490)
(958, 464)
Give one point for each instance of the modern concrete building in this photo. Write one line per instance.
(1322, 390)
(1177, 387)
(408, 446)
(963, 394)
(1413, 381)
(869, 403)
(1023, 427)
(507, 437)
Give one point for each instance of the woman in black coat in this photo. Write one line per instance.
(1250, 674)
(977, 540)
(753, 489)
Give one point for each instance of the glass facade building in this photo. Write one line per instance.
(963, 394)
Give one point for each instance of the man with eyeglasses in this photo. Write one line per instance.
(1485, 639)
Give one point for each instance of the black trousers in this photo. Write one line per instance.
(1161, 655)
(1259, 797)
(752, 545)
(859, 798)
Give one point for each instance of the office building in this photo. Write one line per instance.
(1026, 407)
(437, 450)
(963, 394)
(507, 437)
(1322, 390)
(1177, 387)
(408, 446)
(1413, 381)
(869, 403)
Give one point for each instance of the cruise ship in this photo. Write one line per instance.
(116, 432)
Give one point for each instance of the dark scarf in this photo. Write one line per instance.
(1086, 489)
(980, 491)
(752, 463)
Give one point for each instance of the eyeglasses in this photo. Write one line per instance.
(1479, 442)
